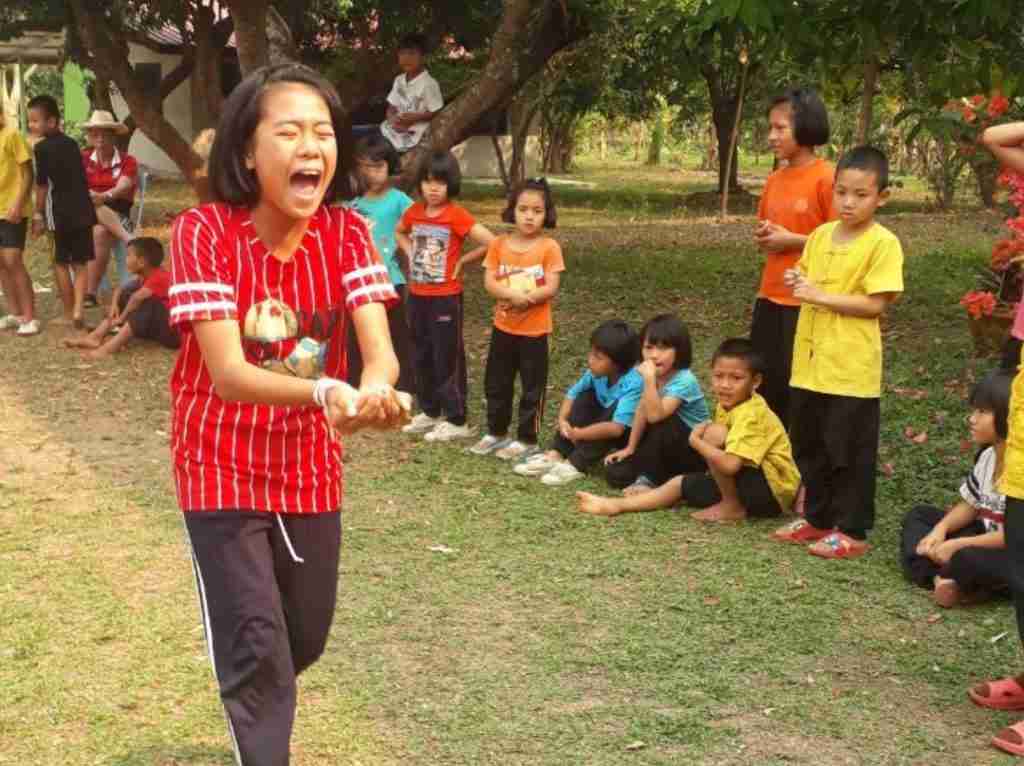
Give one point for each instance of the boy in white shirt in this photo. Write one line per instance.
(414, 99)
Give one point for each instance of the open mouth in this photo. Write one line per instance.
(305, 183)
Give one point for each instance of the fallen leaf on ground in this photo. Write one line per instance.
(441, 549)
(712, 601)
(934, 618)
(638, 745)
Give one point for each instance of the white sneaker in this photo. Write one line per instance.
(562, 473)
(29, 328)
(421, 424)
(535, 465)
(489, 444)
(516, 450)
(445, 432)
(10, 322)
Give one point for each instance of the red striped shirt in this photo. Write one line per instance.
(292, 317)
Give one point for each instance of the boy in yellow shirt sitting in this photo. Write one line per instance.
(751, 472)
(850, 271)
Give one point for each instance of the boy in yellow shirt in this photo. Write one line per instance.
(751, 472)
(850, 271)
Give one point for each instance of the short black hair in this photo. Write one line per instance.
(149, 249)
(810, 117)
(868, 159)
(47, 105)
(376, 148)
(668, 330)
(740, 348)
(414, 41)
(230, 180)
(441, 166)
(619, 341)
(992, 394)
(508, 215)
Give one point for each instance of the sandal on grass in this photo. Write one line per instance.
(1004, 694)
(1011, 739)
(800, 532)
(838, 546)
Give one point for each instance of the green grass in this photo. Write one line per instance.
(544, 637)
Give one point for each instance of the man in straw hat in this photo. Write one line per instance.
(112, 178)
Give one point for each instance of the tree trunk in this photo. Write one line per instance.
(250, 18)
(207, 90)
(734, 135)
(724, 114)
(109, 52)
(867, 100)
(528, 35)
(710, 160)
(657, 140)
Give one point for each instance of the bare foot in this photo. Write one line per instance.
(81, 341)
(96, 355)
(595, 505)
(801, 500)
(721, 512)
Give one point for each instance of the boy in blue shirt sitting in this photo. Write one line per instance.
(597, 412)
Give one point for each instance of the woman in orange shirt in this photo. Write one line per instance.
(796, 200)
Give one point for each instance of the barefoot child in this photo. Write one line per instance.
(1006, 142)
(961, 552)
(383, 206)
(671, 406)
(850, 272)
(797, 199)
(431, 234)
(138, 309)
(265, 280)
(523, 272)
(59, 171)
(597, 411)
(751, 472)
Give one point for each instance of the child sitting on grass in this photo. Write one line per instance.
(671, 406)
(750, 463)
(597, 412)
(961, 553)
(138, 309)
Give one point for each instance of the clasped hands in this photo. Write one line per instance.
(377, 406)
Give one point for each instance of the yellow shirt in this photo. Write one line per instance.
(756, 435)
(835, 353)
(14, 153)
(1012, 482)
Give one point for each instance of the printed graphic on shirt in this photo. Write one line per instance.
(523, 279)
(270, 324)
(429, 253)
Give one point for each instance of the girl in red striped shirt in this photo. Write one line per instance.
(265, 279)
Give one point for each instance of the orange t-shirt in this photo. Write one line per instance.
(524, 271)
(436, 247)
(801, 200)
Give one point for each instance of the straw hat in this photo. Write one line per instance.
(103, 119)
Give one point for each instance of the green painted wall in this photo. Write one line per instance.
(76, 102)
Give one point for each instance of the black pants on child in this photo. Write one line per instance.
(1013, 529)
(972, 568)
(587, 410)
(439, 355)
(151, 320)
(508, 356)
(772, 330)
(835, 446)
(700, 490)
(398, 326)
(266, 615)
(664, 451)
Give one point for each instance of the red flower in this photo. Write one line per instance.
(979, 303)
(998, 104)
(977, 100)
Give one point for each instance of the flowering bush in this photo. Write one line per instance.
(1004, 273)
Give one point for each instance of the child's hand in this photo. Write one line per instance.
(647, 370)
(773, 238)
(943, 552)
(929, 541)
(378, 407)
(791, 276)
(565, 429)
(808, 292)
(13, 214)
(37, 227)
(457, 271)
(697, 434)
(619, 455)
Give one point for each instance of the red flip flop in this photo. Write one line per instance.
(1011, 739)
(800, 532)
(838, 546)
(1004, 694)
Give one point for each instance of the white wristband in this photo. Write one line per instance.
(320, 389)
